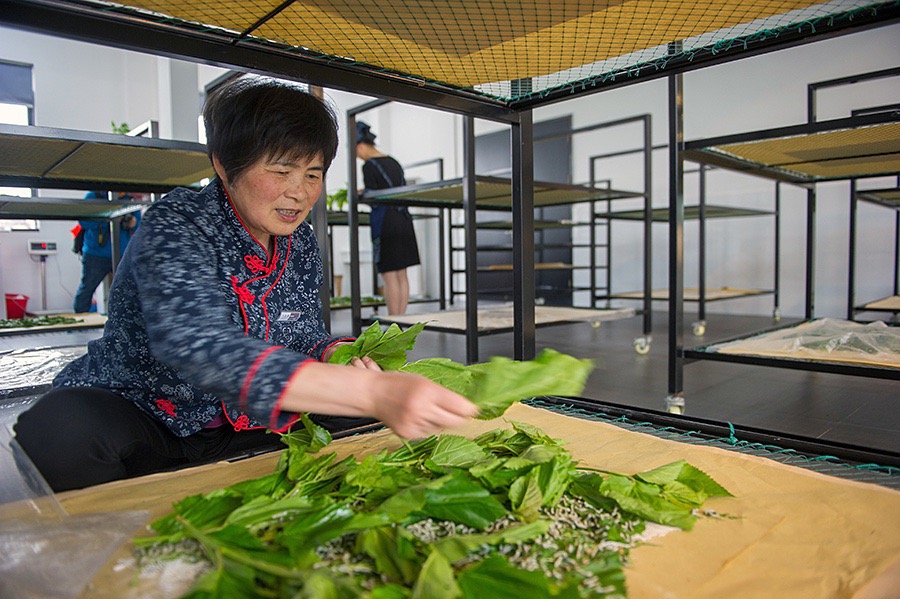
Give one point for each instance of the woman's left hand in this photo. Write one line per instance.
(365, 362)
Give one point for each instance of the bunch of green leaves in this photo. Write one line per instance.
(337, 200)
(492, 386)
(36, 321)
(121, 129)
(388, 348)
(438, 518)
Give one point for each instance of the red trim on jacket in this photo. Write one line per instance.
(242, 423)
(251, 372)
(276, 411)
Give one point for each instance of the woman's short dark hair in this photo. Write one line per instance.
(253, 118)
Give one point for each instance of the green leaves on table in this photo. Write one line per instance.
(438, 518)
(668, 495)
(37, 321)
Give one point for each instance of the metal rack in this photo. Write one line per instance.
(862, 145)
(53, 158)
(702, 213)
(886, 198)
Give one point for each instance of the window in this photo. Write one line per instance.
(16, 108)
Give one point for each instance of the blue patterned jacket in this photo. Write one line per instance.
(202, 319)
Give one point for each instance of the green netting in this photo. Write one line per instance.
(509, 50)
(886, 476)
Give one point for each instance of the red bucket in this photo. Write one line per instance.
(16, 305)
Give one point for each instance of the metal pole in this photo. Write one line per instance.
(648, 227)
(44, 283)
(353, 226)
(776, 310)
(523, 237)
(701, 223)
(810, 252)
(320, 227)
(442, 259)
(896, 251)
(675, 399)
(471, 239)
(851, 267)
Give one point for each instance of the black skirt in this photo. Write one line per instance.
(396, 248)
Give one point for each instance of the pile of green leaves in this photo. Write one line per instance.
(440, 518)
(36, 321)
(506, 513)
(343, 301)
(492, 386)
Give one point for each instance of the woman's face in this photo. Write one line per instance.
(273, 197)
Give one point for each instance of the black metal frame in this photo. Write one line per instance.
(869, 196)
(678, 355)
(646, 149)
(701, 216)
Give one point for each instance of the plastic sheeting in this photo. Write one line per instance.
(44, 552)
(33, 368)
(826, 339)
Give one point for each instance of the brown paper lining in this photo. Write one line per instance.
(791, 532)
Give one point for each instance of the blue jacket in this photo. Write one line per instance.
(96, 235)
(201, 318)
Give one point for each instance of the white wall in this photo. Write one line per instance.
(83, 86)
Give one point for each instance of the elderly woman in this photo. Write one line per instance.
(215, 332)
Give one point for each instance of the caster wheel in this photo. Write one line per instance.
(698, 328)
(642, 346)
(595, 324)
(776, 315)
(675, 404)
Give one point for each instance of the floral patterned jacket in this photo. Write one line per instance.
(202, 320)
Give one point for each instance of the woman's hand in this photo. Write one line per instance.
(415, 407)
(365, 362)
(410, 404)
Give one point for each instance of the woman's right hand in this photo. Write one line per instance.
(410, 404)
(415, 407)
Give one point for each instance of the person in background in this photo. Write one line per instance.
(215, 333)
(394, 246)
(96, 251)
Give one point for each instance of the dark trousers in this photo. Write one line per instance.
(82, 436)
(93, 270)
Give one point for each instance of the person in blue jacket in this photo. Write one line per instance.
(96, 251)
(214, 333)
